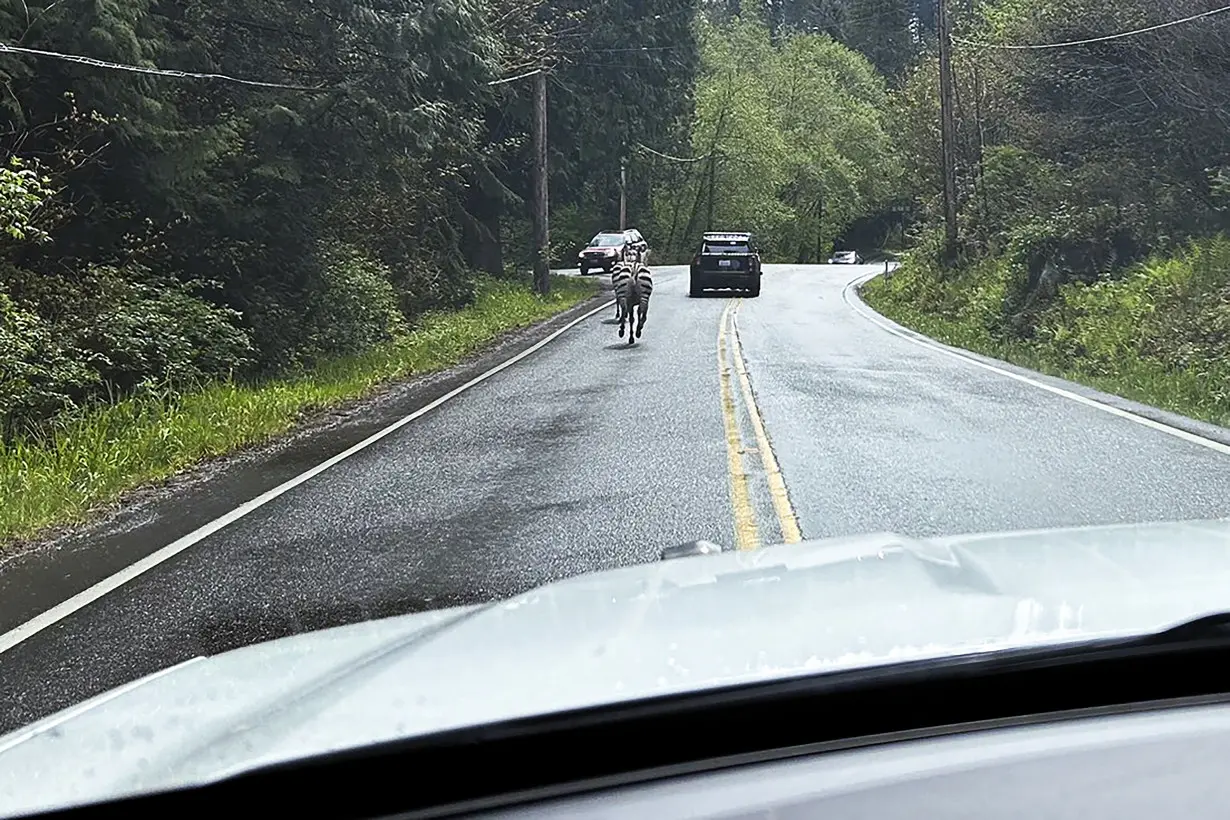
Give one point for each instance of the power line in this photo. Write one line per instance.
(158, 72)
(503, 80)
(164, 72)
(1104, 39)
(176, 74)
(672, 159)
(622, 50)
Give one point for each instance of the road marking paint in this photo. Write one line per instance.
(777, 484)
(1144, 421)
(746, 535)
(84, 598)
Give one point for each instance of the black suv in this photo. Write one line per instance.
(726, 260)
(608, 247)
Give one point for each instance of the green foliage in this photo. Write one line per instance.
(1084, 174)
(1092, 156)
(796, 140)
(40, 376)
(229, 183)
(110, 332)
(884, 31)
(325, 222)
(353, 308)
(22, 194)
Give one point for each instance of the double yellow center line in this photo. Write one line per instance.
(747, 535)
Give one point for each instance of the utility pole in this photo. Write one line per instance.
(948, 127)
(542, 231)
(820, 229)
(982, 143)
(623, 193)
(712, 182)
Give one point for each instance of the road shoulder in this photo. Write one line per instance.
(43, 573)
(1185, 424)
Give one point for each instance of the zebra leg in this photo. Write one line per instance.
(640, 319)
(622, 318)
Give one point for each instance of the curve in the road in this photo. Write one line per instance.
(873, 434)
(850, 295)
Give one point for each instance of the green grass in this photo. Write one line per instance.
(95, 457)
(1158, 334)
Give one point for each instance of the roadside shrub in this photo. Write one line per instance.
(39, 376)
(353, 305)
(106, 333)
(426, 285)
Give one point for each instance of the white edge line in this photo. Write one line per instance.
(82, 599)
(1058, 391)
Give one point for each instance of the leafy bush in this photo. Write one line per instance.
(39, 377)
(352, 308)
(107, 333)
(23, 193)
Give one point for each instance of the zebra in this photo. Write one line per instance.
(629, 259)
(633, 287)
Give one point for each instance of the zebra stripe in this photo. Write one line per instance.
(633, 287)
(621, 271)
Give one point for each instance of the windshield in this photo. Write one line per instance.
(299, 330)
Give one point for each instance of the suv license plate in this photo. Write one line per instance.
(725, 263)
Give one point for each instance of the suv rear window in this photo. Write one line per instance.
(607, 240)
(724, 246)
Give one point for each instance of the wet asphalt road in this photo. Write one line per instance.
(589, 455)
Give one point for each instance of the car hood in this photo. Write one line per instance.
(674, 626)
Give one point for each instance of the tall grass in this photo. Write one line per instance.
(93, 458)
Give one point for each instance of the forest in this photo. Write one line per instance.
(202, 193)
(200, 199)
